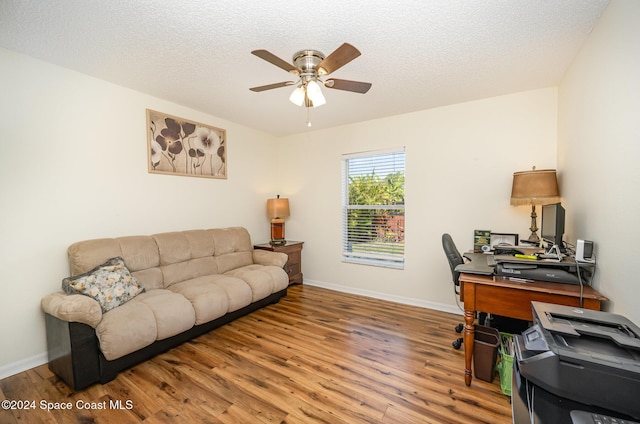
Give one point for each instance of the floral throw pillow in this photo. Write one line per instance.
(111, 284)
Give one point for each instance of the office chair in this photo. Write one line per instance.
(455, 258)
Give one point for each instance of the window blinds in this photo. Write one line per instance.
(373, 208)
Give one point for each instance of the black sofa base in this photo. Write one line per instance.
(75, 356)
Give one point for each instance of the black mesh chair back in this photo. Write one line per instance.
(454, 258)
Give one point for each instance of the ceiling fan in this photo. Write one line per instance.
(310, 66)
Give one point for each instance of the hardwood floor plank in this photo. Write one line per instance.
(318, 356)
(312, 388)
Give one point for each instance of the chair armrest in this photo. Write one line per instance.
(72, 308)
(267, 257)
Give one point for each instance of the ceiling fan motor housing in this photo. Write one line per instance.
(307, 61)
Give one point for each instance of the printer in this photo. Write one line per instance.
(586, 356)
(566, 271)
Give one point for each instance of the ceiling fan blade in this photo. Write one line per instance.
(272, 86)
(275, 60)
(340, 57)
(355, 86)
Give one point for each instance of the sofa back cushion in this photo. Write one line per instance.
(233, 248)
(163, 259)
(185, 255)
(140, 254)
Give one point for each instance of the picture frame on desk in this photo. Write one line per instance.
(481, 240)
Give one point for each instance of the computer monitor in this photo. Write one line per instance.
(552, 229)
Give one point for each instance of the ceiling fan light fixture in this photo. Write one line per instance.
(315, 94)
(310, 66)
(297, 97)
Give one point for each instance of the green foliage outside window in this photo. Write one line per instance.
(371, 189)
(367, 225)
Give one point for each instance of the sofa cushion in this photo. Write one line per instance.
(154, 315)
(110, 284)
(173, 247)
(212, 296)
(238, 291)
(141, 255)
(173, 312)
(208, 300)
(126, 329)
(185, 255)
(233, 248)
(189, 269)
(85, 255)
(263, 280)
(139, 252)
(150, 278)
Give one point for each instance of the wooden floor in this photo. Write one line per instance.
(318, 356)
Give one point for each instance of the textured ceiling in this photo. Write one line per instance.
(417, 54)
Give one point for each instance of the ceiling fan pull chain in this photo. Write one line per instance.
(308, 120)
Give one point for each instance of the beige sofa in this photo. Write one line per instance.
(174, 286)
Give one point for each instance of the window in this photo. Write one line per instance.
(373, 208)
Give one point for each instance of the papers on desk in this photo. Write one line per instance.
(477, 264)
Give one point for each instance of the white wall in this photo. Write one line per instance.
(459, 168)
(73, 166)
(599, 151)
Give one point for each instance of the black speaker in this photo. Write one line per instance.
(584, 251)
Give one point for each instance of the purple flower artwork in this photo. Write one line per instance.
(181, 147)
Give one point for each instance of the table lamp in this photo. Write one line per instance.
(277, 211)
(535, 187)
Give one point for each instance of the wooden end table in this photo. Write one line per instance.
(293, 249)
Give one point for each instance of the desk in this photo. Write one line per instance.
(501, 296)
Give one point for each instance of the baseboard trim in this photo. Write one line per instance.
(23, 365)
(385, 296)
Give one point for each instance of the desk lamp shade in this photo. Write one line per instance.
(535, 187)
(277, 210)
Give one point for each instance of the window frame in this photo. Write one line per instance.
(385, 256)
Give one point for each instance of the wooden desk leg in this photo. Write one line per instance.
(469, 337)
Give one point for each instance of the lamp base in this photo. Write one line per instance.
(533, 238)
(277, 232)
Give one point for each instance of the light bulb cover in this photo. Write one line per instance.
(297, 97)
(319, 100)
(315, 94)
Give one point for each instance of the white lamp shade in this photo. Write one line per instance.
(297, 97)
(315, 94)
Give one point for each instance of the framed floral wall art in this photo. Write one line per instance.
(178, 146)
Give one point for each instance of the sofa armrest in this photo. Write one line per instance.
(72, 308)
(267, 257)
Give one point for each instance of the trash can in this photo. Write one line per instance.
(505, 366)
(485, 352)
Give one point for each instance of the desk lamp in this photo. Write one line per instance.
(535, 187)
(277, 211)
